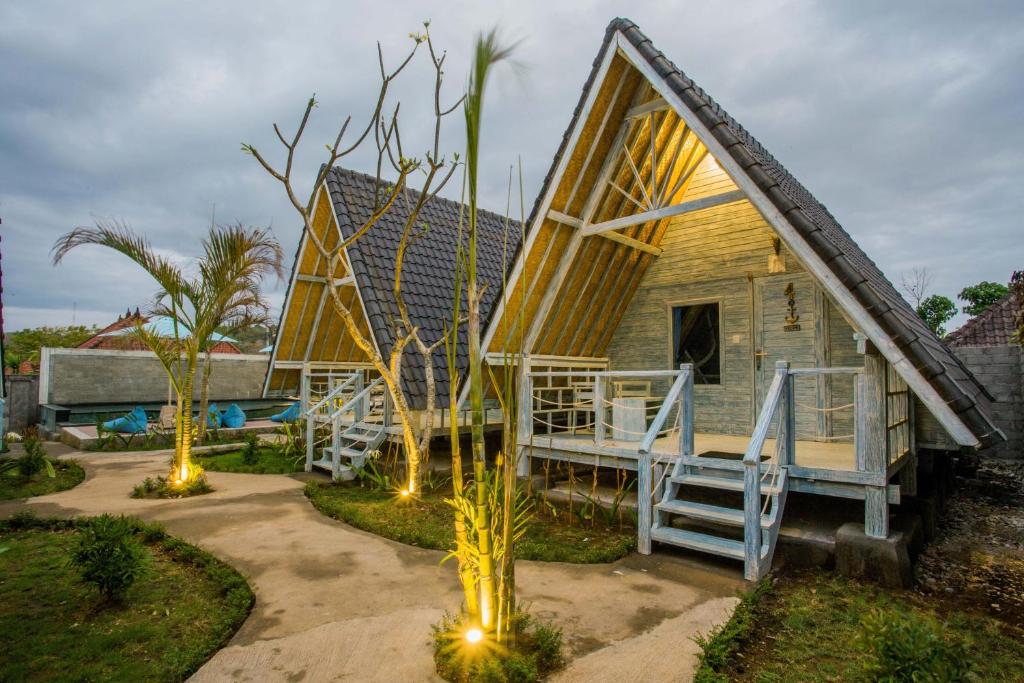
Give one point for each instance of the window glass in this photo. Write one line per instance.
(696, 338)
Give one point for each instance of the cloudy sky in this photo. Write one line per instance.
(904, 118)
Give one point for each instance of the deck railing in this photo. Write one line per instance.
(623, 405)
(781, 399)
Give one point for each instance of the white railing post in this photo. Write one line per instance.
(304, 405)
(873, 444)
(359, 410)
(524, 428)
(751, 519)
(600, 416)
(686, 411)
(643, 503)
(336, 446)
(788, 417)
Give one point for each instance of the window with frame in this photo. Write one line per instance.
(696, 338)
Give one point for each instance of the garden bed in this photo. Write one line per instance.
(184, 607)
(553, 535)
(270, 461)
(813, 626)
(67, 474)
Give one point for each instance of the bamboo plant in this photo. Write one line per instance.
(490, 512)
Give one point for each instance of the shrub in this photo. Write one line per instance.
(537, 652)
(906, 647)
(34, 460)
(109, 556)
(251, 450)
(162, 488)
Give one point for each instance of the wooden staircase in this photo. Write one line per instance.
(747, 529)
(357, 417)
(713, 527)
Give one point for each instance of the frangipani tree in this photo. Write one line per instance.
(430, 174)
(222, 291)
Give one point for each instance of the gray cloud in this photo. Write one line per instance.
(902, 117)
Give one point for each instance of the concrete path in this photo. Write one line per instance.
(334, 603)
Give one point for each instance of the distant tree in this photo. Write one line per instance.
(981, 296)
(25, 345)
(937, 310)
(916, 284)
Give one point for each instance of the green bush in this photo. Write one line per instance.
(536, 653)
(251, 450)
(160, 487)
(109, 556)
(34, 460)
(904, 647)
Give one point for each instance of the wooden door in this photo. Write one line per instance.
(784, 329)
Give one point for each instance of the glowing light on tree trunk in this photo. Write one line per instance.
(474, 636)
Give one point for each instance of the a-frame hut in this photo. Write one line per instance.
(693, 313)
(317, 360)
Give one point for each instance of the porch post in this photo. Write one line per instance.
(643, 504)
(872, 442)
(524, 428)
(600, 389)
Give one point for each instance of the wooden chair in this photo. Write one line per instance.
(166, 423)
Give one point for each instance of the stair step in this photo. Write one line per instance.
(698, 541)
(357, 436)
(347, 452)
(709, 513)
(722, 483)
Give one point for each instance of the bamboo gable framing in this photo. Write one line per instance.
(311, 331)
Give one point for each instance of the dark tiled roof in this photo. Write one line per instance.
(858, 273)
(993, 327)
(428, 276)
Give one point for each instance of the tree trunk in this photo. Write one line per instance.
(204, 400)
(183, 461)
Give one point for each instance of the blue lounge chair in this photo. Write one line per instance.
(213, 418)
(132, 423)
(289, 414)
(233, 417)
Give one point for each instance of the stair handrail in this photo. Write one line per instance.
(666, 407)
(357, 397)
(780, 386)
(331, 395)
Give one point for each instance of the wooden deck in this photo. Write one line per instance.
(809, 454)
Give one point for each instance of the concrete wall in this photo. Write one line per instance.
(20, 407)
(1000, 369)
(72, 377)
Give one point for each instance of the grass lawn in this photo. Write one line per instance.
(807, 627)
(53, 627)
(271, 462)
(68, 475)
(427, 521)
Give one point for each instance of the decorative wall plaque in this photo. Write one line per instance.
(792, 317)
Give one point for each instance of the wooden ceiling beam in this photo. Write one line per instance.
(646, 108)
(664, 212)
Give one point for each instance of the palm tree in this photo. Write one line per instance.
(224, 291)
(236, 262)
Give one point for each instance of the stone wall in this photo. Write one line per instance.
(21, 409)
(71, 377)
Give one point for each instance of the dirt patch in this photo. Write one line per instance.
(977, 562)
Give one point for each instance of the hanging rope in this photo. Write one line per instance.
(824, 410)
